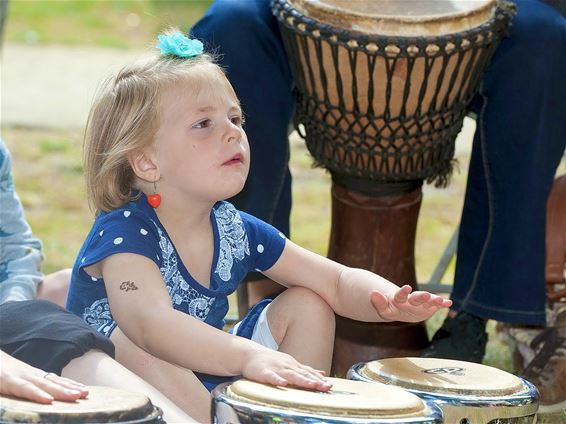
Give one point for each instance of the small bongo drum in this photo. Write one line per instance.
(103, 405)
(467, 393)
(349, 401)
(382, 88)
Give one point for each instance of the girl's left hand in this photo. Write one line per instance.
(406, 305)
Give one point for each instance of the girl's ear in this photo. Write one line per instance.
(144, 166)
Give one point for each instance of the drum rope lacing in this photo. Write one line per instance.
(410, 141)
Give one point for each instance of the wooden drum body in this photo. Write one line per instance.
(467, 393)
(354, 402)
(103, 405)
(382, 88)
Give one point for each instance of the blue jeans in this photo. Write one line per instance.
(520, 138)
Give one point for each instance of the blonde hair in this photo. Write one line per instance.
(125, 117)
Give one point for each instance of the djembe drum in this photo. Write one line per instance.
(349, 401)
(103, 405)
(467, 393)
(382, 88)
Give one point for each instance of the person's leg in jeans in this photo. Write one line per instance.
(517, 147)
(246, 36)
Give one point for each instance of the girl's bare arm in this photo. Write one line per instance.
(352, 292)
(142, 307)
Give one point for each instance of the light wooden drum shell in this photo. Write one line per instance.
(466, 392)
(382, 96)
(348, 401)
(103, 405)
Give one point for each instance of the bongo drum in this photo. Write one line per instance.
(103, 405)
(467, 393)
(349, 401)
(382, 88)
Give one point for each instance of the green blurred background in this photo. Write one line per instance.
(116, 24)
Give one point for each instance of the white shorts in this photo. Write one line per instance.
(262, 333)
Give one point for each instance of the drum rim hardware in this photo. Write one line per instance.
(523, 403)
(252, 410)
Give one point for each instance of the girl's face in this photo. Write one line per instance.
(200, 148)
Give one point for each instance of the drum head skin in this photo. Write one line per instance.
(352, 398)
(443, 376)
(103, 405)
(399, 18)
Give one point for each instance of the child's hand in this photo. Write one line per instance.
(406, 306)
(280, 369)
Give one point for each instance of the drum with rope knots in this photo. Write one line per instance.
(382, 88)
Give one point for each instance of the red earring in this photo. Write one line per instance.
(154, 199)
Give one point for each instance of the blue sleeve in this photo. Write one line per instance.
(122, 231)
(20, 251)
(266, 242)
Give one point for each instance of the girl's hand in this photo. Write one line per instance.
(24, 381)
(408, 306)
(280, 369)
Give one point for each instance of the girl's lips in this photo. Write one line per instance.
(237, 158)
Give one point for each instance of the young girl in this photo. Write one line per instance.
(164, 147)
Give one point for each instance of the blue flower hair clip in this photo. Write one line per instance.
(177, 44)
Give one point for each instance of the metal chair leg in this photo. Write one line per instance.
(434, 285)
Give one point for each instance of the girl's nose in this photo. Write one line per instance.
(234, 137)
(234, 134)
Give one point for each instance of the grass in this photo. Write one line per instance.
(116, 24)
(48, 175)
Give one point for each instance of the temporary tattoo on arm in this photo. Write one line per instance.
(128, 285)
